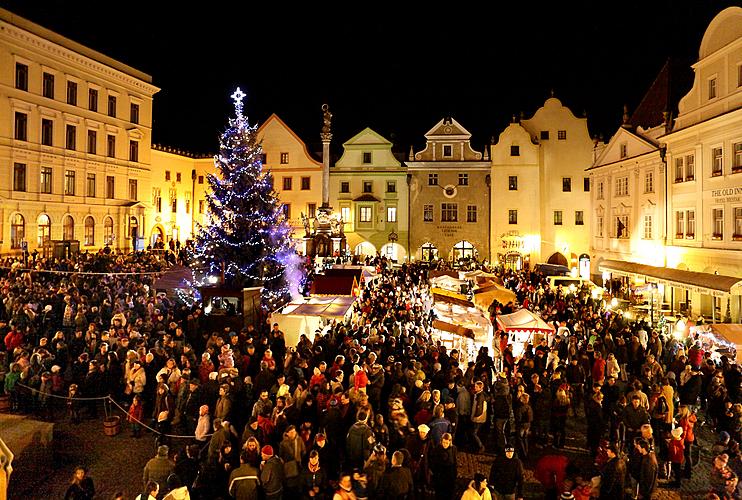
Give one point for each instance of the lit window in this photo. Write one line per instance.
(89, 236)
(45, 184)
(69, 182)
(690, 223)
(718, 218)
(513, 215)
(284, 158)
(391, 214)
(647, 227)
(579, 218)
(471, 213)
(365, 214)
(513, 182)
(557, 217)
(391, 186)
(427, 213)
(562, 135)
(649, 182)
(622, 186)
(287, 183)
(91, 186)
(712, 88)
(368, 186)
(17, 231)
(432, 179)
(463, 179)
(449, 212)
(736, 160)
(717, 162)
(566, 184)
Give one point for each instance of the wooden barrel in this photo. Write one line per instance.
(112, 425)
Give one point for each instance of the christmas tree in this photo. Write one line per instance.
(247, 239)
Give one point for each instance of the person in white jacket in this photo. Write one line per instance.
(478, 489)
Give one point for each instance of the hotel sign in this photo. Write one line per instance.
(727, 195)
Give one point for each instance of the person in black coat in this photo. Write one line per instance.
(396, 484)
(595, 422)
(613, 478)
(442, 463)
(506, 475)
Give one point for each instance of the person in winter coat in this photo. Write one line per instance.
(292, 451)
(439, 425)
(478, 414)
(244, 481)
(647, 471)
(314, 479)
(443, 468)
(595, 422)
(271, 474)
(396, 484)
(676, 455)
(81, 487)
(613, 477)
(687, 421)
(477, 489)
(359, 441)
(159, 468)
(419, 445)
(506, 475)
(523, 419)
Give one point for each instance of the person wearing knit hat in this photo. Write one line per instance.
(271, 474)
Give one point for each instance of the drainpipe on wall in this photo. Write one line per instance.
(409, 206)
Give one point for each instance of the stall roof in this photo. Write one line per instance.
(441, 295)
(712, 284)
(455, 329)
(523, 320)
(320, 306)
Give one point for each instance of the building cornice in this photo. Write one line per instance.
(27, 39)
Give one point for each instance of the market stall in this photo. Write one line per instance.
(523, 327)
(448, 283)
(461, 327)
(721, 339)
(311, 314)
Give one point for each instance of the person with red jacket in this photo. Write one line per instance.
(13, 340)
(695, 355)
(598, 368)
(551, 470)
(360, 378)
(687, 421)
(676, 454)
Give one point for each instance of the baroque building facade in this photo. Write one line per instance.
(449, 196)
(540, 193)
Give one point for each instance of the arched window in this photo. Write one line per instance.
(463, 250)
(428, 252)
(17, 230)
(68, 228)
(89, 231)
(108, 231)
(45, 229)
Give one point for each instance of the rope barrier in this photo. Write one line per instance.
(108, 411)
(85, 273)
(48, 394)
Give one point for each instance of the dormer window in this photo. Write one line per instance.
(366, 157)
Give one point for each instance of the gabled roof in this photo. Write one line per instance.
(624, 135)
(366, 137)
(275, 118)
(671, 83)
(448, 127)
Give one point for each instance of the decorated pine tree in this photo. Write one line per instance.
(247, 239)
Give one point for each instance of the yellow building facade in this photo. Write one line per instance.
(76, 139)
(540, 193)
(368, 189)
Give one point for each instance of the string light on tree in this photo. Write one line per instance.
(247, 238)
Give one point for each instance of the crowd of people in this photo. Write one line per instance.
(370, 408)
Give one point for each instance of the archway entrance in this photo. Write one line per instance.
(428, 252)
(365, 248)
(157, 240)
(394, 252)
(513, 261)
(558, 259)
(463, 250)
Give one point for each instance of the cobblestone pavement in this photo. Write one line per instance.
(694, 488)
(116, 464)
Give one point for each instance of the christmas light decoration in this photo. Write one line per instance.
(247, 239)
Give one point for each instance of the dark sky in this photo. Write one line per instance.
(395, 72)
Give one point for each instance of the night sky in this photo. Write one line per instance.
(396, 72)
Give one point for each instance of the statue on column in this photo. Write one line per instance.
(326, 119)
